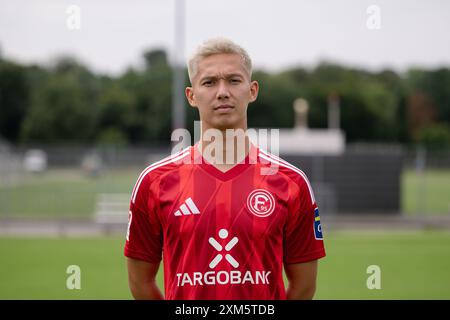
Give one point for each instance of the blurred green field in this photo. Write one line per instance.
(68, 193)
(427, 193)
(62, 193)
(413, 265)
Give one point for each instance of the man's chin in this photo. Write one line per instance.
(225, 122)
(224, 125)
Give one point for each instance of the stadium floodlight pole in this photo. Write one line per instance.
(178, 109)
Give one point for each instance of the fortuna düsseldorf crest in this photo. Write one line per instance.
(261, 203)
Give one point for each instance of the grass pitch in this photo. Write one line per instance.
(426, 193)
(413, 266)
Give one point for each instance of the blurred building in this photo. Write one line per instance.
(355, 179)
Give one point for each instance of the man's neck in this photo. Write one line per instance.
(226, 151)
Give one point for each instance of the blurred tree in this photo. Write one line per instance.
(381, 103)
(151, 89)
(111, 136)
(155, 58)
(14, 99)
(274, 106)
(421, 113)
(62, 107)
(393, 83)
(115, 114)
(428, 103)
(436, 85)
(435, 136)
(66, 102)
(368, 106)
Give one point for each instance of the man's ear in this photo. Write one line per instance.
(254, 89)
(190, 96)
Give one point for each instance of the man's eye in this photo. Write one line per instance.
(207, 83)
(235, 81)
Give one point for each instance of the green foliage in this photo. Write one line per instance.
(436, 136)
(66, 102)
(273, 108)
(62, 105)
(60, 110)
(436, 85)
(155, 58)
(14, 99)
(115, 115)
(112, 137)
(151, 90)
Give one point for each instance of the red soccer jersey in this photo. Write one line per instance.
(223, 235)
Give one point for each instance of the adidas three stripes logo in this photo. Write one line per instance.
(187, 208)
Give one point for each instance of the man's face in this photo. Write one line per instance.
(222, 90)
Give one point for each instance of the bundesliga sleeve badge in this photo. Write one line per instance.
(317, 226)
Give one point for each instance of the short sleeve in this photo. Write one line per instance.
(303, 238)
(144, 234)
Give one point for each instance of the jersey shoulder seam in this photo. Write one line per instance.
(285, 166)
(159, 168)
(166, 164)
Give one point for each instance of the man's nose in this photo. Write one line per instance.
(222, 90)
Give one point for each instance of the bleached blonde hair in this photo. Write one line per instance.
(217, 46)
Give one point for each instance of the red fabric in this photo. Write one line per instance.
(269, 232)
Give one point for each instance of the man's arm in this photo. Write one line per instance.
(302, 280)
(141, 279)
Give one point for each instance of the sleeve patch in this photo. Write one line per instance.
(317, 225)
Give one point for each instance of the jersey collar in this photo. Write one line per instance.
(236, 170)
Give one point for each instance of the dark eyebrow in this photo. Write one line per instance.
(232, 75)
(228, 76)
(208, 78)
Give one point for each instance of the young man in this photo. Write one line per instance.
(225, 229)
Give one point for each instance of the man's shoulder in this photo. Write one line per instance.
(167, 164)
(280, 166)
(292, 172)
(159, 168)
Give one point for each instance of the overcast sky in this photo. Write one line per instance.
(277, 33)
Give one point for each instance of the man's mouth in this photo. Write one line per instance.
(224, 107)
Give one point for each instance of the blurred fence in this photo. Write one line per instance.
(366, 179)
(72, 156)
(360, 181)
(111, 156)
